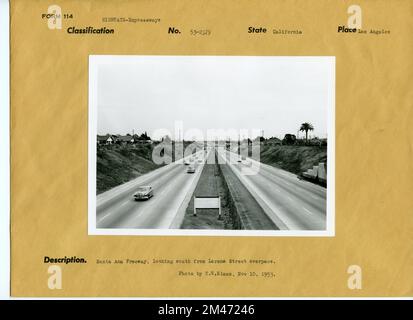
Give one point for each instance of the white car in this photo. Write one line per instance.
(143, 193)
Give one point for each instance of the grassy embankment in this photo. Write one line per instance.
(119, 164)
(295, 159)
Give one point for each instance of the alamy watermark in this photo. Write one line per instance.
(230, 146)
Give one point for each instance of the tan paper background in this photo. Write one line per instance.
(374, 148)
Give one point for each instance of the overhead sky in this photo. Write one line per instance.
(273, 94)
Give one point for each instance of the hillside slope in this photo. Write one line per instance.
(119, 165)
(295, 159)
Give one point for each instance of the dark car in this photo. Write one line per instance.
(143, 193)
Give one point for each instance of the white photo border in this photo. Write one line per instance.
(96, 60)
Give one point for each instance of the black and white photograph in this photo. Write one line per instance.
(211, 145)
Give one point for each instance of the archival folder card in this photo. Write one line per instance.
(211, 148)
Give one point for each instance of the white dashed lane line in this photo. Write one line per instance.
(307, 211)
(124, 202)
(104, 217)
(108, 214)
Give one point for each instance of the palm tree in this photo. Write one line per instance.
(306, 127)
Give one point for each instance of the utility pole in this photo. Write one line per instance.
(239, 143)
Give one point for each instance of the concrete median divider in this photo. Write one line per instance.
(202, 210)
(259, 198)
(234, 216)
(245, 210)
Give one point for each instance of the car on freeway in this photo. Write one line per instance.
(191, 169)
(143, 193)
(186, 162)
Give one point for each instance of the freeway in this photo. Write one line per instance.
(289, 203)
(292, 204)
(116, 208)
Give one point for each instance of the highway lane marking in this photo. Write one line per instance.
(167, 189)
(293, 188)
(187, 196)
(140, 216)
(266, 203)
(170, 186)
(123, 203)
(137, 213)
(307, 210)
(109, 213)
(117, 207)
(104, 217)
(130, 184)
(272, 185)
(136, 216)
(109, 194)
(257, 192)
